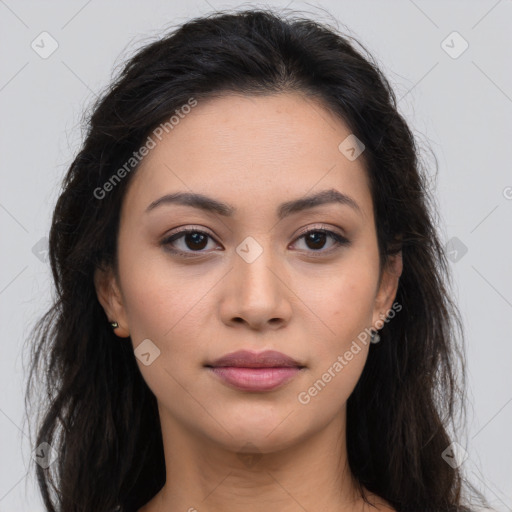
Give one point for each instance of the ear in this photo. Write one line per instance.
(110, 298)
(388, 287)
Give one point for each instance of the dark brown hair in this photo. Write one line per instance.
(97, 411)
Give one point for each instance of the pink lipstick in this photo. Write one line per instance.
(249, 371)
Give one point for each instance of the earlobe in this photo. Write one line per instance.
(110, 298)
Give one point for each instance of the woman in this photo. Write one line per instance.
(252, 307)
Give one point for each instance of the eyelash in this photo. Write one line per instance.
(339, 241)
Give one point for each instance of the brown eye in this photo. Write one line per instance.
(191, 240)
(316, 239)
(195, 240)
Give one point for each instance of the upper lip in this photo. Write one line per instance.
(246, 359)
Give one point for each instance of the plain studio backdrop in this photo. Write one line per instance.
(449, 64)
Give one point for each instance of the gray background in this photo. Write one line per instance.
(460, 107)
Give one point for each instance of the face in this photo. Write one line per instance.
(255, 274)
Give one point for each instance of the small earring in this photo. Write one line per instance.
(114, 325)
(375, 337)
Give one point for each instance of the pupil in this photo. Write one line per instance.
(314, 238)
(196, 238)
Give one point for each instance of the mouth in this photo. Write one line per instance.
(247, 359)
(257, 372)
(255, 379)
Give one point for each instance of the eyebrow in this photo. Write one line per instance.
(285, 209)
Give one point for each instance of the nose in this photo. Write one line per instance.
(257, 294)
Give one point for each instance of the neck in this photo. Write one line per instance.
(289, 476)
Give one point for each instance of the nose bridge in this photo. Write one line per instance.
(255, 266)
(259, 294)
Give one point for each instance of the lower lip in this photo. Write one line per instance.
(255, 379)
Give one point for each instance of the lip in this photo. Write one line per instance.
(250, 371)
(247, 359)
(255, 379)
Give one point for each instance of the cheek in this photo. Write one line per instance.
(165, 304)
(345, 302)
(159, 306)
(346, 305)
(153, 294)
(340, 356)
(352, 305)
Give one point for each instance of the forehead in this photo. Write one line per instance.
(251, 150)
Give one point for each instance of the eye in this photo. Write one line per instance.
(315, 239)
(194, 240)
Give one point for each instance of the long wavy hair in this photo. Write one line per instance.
(94, 408)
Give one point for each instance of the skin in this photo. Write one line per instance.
(307, 300)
